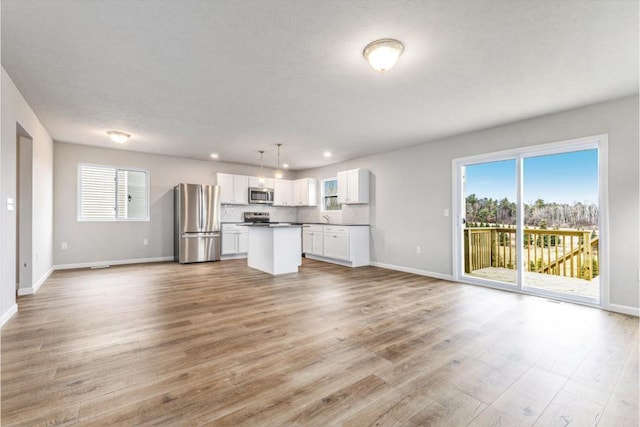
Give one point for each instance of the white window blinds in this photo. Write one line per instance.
(108, 193)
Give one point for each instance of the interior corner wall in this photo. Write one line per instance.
(106, 242)
(411, 187)
(15, 110)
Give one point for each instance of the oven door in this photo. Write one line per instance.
(261, 196)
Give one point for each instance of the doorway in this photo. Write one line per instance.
(24, 202)
(532, 220)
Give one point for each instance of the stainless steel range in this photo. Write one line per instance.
(256, 217)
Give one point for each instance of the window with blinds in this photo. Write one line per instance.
(106, 193)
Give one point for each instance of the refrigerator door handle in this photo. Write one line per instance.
(193, 235)
(202, 208)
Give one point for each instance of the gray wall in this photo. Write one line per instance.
(411, 187)
(16, 111)
(98, 242)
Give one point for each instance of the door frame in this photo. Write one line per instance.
(601, 142)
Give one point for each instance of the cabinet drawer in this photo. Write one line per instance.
(235, 227)
(316, 228)
(336, 229)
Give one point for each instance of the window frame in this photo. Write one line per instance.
(324, 196)
(80, 218)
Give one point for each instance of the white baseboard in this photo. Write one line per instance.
(113, 262)
(233, 256)
(6, 316)
(413, 271)
(624, 309)
(33, 289)
(331, 260)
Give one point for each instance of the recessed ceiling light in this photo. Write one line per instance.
(383, 54)
(118, 137)
(327, 154)
(214, 155)
(285, 165)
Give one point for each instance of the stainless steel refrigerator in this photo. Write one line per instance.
(197, 223)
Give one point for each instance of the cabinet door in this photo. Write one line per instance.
(296, 193)
(243, 242)
(282, 192)
(307, 242)
(317, 248)
(304, 192)
(225, 182)
(241, 190)
(228, 242)
(254, 182)
(353, 184)
(336, 246)
(343, 187)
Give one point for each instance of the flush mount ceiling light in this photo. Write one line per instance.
(327, 154)
(285, 165)
(118, 137)
(278, 173)
(214, 155)
(383, 54)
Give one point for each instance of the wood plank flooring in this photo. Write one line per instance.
(222, 344)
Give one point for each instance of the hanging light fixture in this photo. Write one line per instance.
(278, 170)
(261, 177)
(383, 54)
(118, 137)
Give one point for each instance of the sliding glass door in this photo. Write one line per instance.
(531, 220)
(490, 221)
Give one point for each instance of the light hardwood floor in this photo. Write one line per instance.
(222, 344)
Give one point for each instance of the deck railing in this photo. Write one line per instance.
(570, 253)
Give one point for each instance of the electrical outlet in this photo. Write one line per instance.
(446, 212)
(145, 242)
(418, 250)
(63, 246)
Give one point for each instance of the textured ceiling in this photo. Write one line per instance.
(189, 78)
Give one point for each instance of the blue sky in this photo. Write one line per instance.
(561, 178)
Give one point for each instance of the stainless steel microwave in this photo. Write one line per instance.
(261, 196)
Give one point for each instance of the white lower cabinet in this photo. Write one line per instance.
(312, 236)
(336, 244)
(235, 239)
(343, 244)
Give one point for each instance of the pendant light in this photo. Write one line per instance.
(261, 177)
(278, 170)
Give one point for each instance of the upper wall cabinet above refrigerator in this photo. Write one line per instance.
(234, 189)
(353, 186)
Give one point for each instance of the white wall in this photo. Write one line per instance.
(411, 187)
(99, 242)
(15, 110)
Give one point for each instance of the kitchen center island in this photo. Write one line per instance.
(275, 248)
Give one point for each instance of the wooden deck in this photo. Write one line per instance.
(222, 344)
(565, 285)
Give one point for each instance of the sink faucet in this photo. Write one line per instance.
(326, 218)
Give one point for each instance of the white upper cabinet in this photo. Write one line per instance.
(254, 182)
(234, 189)
(282, 192)
(305, 192)
(353, 186)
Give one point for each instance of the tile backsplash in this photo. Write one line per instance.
(233, 213)
(350, 214)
